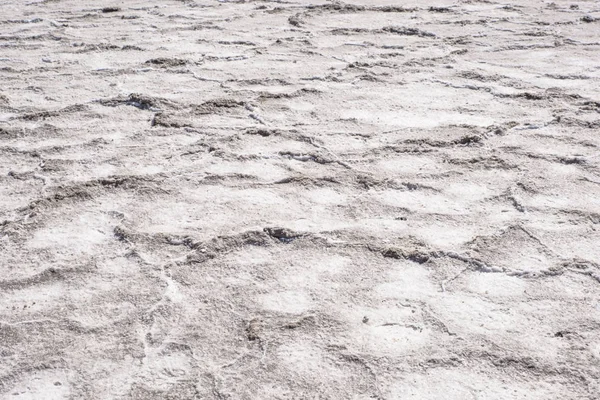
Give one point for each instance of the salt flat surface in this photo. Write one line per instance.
(379, 199)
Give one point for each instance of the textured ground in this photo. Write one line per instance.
(299, 199)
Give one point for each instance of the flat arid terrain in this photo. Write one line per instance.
(299, 199)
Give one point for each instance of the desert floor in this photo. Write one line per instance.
(206, 199)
